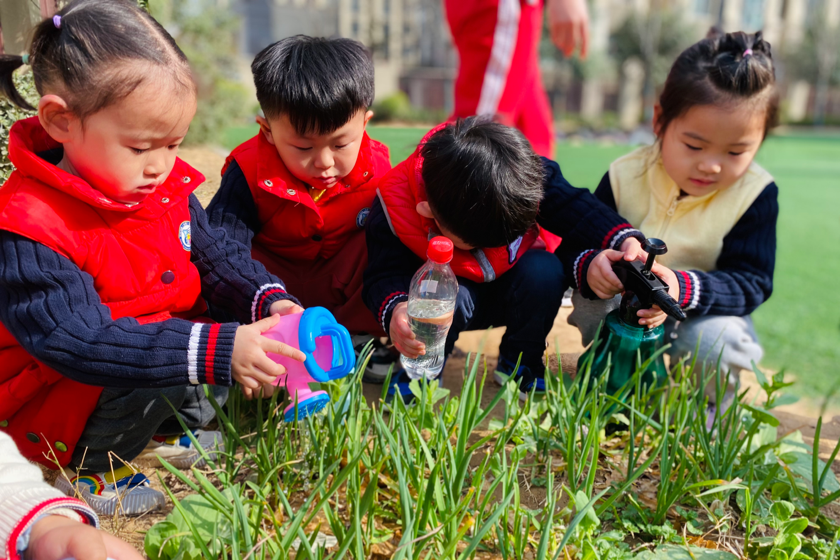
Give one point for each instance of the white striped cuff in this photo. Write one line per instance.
(192, 352)
(255, 305)
(619, 237)
(695, 291)
(387, 307)
(575, 268)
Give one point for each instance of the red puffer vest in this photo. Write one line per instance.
(400, 191)
(293, 225)
(138, 256)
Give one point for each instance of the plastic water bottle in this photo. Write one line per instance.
(431, 305)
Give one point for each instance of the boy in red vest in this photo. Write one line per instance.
(480, 184)
(298, 193)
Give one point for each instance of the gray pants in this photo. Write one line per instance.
(125, 420)
(732, 339)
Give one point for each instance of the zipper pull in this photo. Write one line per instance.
(673, 208)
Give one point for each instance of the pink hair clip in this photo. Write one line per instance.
(747, 53)
(57, 21)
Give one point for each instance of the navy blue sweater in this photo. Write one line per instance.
(743, 277)
(233, 207)
(53, 310)
(573, 214)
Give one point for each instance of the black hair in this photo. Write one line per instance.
(722, 69)
(89, 58)
(318, 83)
(484, 182)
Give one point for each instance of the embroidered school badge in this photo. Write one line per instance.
(184, 235)
(513, 249)
(361, 217)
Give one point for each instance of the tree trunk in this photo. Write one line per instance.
(820, 99)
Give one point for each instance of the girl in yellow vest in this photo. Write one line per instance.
(699, 190)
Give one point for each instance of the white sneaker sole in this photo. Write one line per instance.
(134, 502)
(180, 457)
(500, 379)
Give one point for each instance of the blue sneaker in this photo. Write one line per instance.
(528, 382)
(400, 385)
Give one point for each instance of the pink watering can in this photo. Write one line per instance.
(329, 355)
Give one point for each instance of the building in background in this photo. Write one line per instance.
(409, 39)
(413, 51)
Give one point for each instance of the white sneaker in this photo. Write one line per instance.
(125, 491)
(567, 299)
(179, 451)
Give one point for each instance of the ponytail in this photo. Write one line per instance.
(721, 69)
(743, 65)
(8, 64)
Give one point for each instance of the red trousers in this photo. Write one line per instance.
(334, 283)
(499, 74)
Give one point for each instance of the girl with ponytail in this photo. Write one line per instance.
(107, 259)
(699, 190)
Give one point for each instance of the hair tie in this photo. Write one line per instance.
(25, 58)
(747, 53)
(57, 21)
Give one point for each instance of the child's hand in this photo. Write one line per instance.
(600, 276)
(402, 335)
(654, 316)
(55, 537)
(250, 366)
(632, 250)
(284, 307)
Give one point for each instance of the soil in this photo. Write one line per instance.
(209, 161)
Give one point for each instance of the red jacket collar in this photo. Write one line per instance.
(27, 138)
(274, 176)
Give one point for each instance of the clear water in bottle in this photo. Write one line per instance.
(430, 320)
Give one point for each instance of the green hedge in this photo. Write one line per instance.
(9, 113)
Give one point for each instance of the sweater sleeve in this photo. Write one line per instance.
(743, 279)
(391, 265)
(52, 309)
(26, 498)
(233, 208)
(604, 192)
(230, 278)
(586, 225)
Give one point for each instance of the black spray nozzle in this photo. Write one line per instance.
(654, 247)
(643, 288)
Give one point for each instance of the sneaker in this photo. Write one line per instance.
(125, 491)
(179, 451)
(380, 362)
(567, 299)
(401, 385)
(505, 370)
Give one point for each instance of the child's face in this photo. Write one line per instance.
(319, 160)
(126, 150)
(711, 147)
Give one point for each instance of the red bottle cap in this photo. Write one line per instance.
(440, 249)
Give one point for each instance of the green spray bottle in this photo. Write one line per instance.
(621, 340)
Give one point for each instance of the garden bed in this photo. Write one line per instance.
(443, 480)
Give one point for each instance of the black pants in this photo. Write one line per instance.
(524, 299)
(125, 420)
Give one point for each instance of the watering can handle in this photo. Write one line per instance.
(343, 345)
(319, 320)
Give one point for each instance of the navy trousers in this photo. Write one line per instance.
(524, 299)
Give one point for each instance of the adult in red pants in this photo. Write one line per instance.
(497, 42)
